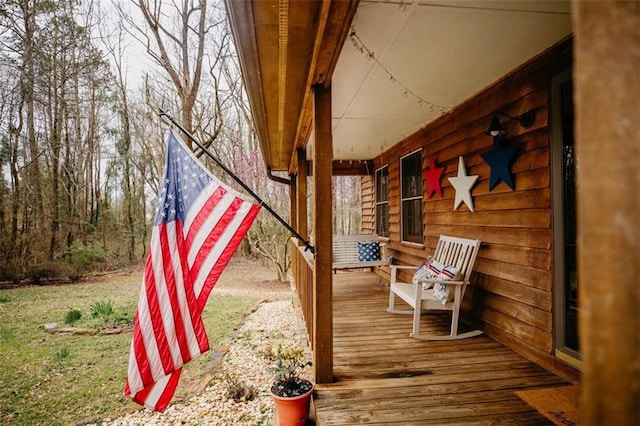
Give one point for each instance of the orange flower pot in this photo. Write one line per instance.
(293, 411)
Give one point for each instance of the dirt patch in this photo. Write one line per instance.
(251, 277)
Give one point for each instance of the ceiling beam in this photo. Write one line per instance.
(347, 168)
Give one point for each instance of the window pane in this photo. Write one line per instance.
(382, 185)
(412, 220)
(412, 176)
(412, 197)
(382, 219)
(382, 202)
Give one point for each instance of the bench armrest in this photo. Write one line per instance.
(404, 267)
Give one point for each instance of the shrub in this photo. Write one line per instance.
(101, 309)
(37, 273)
(238, 390)
(80, 260)
(9, 273)
(72, 316)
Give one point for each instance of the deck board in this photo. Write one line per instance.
(383, 376)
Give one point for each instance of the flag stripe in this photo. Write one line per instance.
(221, 253)
(214, 232)
(154, 305)
(202, 207)
(198, 341)
(134, 381)
(224, 258)
(212, 216)
(189, 346)
(167, 391)
(170, 312)
(177, 299)
(151, 365)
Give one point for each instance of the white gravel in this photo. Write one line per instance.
(272, 323)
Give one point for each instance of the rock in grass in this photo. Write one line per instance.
(51, 327)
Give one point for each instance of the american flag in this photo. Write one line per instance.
(199, 224)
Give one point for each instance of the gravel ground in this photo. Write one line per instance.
(239, 360)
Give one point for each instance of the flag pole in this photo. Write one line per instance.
(239, 181)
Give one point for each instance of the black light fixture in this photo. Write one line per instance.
(495, 128)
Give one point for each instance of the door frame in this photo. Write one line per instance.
(562, 352)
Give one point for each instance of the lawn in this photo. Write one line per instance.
(61, 379)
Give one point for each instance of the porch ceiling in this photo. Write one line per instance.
(402, 64)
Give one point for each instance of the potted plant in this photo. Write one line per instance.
(290, 391)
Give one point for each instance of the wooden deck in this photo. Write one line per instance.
(383, 376)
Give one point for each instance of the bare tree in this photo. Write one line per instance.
(116, 46)
(346, 198)
(176, 43)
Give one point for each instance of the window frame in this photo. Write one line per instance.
(414, 199)
(379, 202)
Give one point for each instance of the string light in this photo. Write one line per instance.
(362, 48)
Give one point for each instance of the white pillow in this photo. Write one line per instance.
(429, 270)
(442, 292)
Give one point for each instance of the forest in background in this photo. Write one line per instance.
(82, 141)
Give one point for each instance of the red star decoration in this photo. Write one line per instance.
(433, 175)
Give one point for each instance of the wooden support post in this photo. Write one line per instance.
(607, 95)
(303, 172)
(322, 237)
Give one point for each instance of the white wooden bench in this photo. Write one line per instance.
(345, 252)
(450, 251)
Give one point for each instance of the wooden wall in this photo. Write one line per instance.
(511, 295)
(368, 188)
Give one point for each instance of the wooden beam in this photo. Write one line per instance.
(349, 168)
(301, 201)
(607, 84)
(322, 237)
(352, 168)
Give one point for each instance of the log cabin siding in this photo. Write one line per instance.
(512, 288)
(368, 188)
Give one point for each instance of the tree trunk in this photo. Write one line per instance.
(28, 82)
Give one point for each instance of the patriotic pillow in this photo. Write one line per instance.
(444, 293)
(428, 270)
(368, 252)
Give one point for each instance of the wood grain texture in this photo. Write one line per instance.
(382, 376)
(322, 198)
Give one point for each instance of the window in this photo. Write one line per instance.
(382, 202)
(411, 197)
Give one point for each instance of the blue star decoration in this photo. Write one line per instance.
(500, 159)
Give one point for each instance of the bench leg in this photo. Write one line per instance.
(416, 321)
(391, 301)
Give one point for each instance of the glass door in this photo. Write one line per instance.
(563, 168)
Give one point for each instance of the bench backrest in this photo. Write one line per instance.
(458, 252)
(345, 247)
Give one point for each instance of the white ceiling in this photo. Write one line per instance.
(430, 56)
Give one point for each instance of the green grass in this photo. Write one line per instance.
(54, 379)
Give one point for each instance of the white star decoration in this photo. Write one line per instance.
(463, 184)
